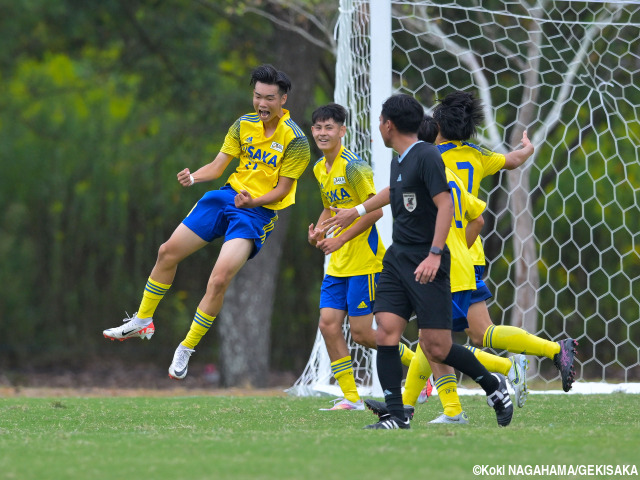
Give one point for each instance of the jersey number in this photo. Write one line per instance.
(467, 166)
(248, 166)
(457, 203)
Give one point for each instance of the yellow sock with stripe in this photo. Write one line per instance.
(406, 354)
(417, 376)
(153, 293)
(517, 340)
(343, 373)
(200, 325)
(447, 386)
(492, 362)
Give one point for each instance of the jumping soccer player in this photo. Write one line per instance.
(345, 181)
(273, 153)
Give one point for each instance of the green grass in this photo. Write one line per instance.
(211, 437)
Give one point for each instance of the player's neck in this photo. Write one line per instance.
(271, 126)
(331, 155)
(403, 141)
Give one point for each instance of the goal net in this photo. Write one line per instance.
(562, 232)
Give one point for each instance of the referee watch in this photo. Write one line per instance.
(435, 250)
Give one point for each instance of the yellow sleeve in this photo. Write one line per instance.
(492, 162)
(475, 206)
(360, 176)
(231, 144)
(296, 158)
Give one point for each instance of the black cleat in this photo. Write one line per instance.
(501, 402)
(389, 422)
(380, 408)
(564, 362)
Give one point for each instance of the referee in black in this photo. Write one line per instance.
(415, 275)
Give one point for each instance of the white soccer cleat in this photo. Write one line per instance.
(518, 378)
(133, 327)
(180, 363)
(344, 404)
(460, 419)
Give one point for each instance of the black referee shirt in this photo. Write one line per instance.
(414, 182)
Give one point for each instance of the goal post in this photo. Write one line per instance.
(562, 232)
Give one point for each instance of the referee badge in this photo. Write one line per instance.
(410, 202)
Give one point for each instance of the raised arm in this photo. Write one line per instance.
(209, 172)
(517, 157)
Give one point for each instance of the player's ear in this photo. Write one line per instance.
(343, 130)
(283, 99)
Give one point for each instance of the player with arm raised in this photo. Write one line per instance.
(415, 275)
(348, 287)
(458, 117)
(273, 152)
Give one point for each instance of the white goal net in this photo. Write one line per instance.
(562, 233)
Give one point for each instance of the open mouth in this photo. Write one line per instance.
(264, 114)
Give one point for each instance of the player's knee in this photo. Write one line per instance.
(166, 255)
(329, 328)
(476, 337)
(359, 336)
(435, 351)
(218, 284)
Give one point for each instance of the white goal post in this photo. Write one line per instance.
(562, 233)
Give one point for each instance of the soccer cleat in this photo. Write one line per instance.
(133, 327)
(460, 419)
(178, 368)
(389, 422)
(380, 408)
(344, 404)
(564, 362)
(517, 377)
(501, 402)
(427, 391)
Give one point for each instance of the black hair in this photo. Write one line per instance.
(330, 111)
(428, 129)
(404, 111)
(458, 115)
(271, 76)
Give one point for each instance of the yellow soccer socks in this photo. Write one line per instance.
(517, 340)
(153, 293)
(406, 354)
(417, 376)
(492, 362)
(447, 386)
(200, 325)
(343, 373)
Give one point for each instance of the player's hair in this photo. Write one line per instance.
(271, 76)
(428, 129)
(404, 111)
(458, 115)
(330, 111)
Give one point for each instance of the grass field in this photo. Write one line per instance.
(260, 437)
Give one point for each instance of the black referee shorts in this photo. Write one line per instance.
(399, 293)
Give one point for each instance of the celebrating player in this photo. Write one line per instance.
(345, 181)
(458, 117)
(273, 153)
(415, 275)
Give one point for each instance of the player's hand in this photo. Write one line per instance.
(185, 178)
(330, 245)
(427, 269)
(342, 219)
(243, 199)
(315, 235)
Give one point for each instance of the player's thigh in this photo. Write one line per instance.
(233, 255)
(182, 243)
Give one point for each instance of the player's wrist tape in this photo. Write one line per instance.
(192, 180)
(361, 210)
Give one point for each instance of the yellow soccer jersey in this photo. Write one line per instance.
(264, 160)
(471, 163)
(349, 183)
(465, 207)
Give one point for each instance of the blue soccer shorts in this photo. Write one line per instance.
(215, 215)
(355, 295)
(481, 293)
(460, 302)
